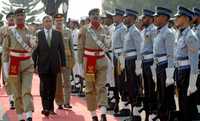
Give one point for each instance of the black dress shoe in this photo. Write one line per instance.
(103, 117)
(81, 94)
(111, 106)
(45, 112)
(52, 113)
(29, 119)
(60, 107)
(137, 118)
(196, 117)
(95, 118)
(67, 106)
(116, 107)
(123, 113)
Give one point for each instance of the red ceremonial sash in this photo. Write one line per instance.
(14, 66)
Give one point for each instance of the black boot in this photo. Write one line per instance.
(95, 118)
(147, 116)
(103, 117)
(29, 119)
(137, 118)
(123, 113)
(116, 107)
(111, 106)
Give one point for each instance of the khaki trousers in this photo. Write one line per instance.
(21, 88)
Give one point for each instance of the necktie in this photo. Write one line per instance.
(49, 38)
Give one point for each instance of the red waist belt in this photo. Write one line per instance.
(92, 55)
(15, 57)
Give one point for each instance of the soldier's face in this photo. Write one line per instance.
(20, 18)
(145, 21)
(117, 19)
(160, 20)
(11, 20)
(180, 20)
(194, 19)
(108, 21)
(95, 18)
(59, 24)
(47, 23)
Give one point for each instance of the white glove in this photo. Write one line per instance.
(152, 116)
(170, 73)
(192, 84)
(5, 69)
(33, 41)
(153, 71)
(136, 111)
(138, 69)
(122, 61)
(1, 49)
(81, 70)
(198, 107)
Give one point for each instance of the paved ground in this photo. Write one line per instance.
(78, 113)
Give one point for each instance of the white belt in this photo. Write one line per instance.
(131, 54)
(183, 63)
(75, 47)
(1, 49)
(199, 52)
(20, 54)
(149, 56)
(161, 59)
(118, 50)
(89, 53)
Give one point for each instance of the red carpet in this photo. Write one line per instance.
(78, 113)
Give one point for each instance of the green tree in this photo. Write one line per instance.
(28, 5)
(1, 21)
(150, 4)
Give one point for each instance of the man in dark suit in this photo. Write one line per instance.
(49, 58)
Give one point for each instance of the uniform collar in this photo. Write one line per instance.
(198, 26)
(185, 31)
(163, 28)
(119, 26)
(131, 27)
(149, 27)
(100, 27)
(25, 27)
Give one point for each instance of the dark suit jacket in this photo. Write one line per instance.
(49, 59)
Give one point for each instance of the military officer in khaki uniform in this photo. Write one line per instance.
(3, 33)
(91, 52)
(63, 79)
(17, 51)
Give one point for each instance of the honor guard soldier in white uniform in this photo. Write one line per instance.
(197, 31)
(186, 63)
(132, 55)
(108, 24)
(163, 50)
(118, 61)
(148, 34)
